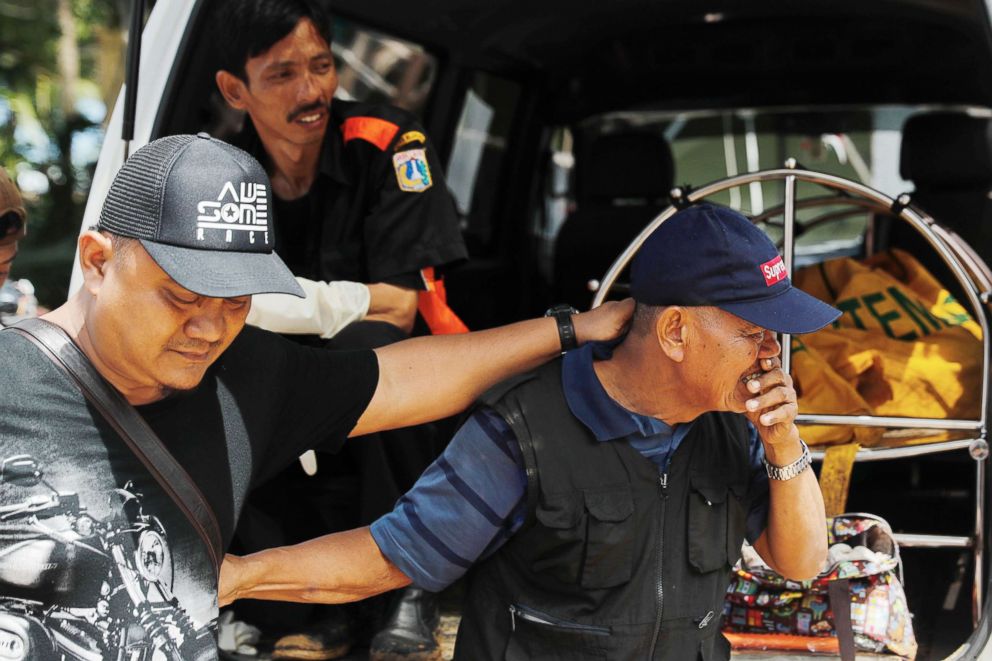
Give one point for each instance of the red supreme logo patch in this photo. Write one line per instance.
(774, 271)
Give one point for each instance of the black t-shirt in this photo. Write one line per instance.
(379, 209)
(264, 402)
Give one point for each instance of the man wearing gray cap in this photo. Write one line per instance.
(109, 536)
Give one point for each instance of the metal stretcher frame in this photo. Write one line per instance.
(965, 266)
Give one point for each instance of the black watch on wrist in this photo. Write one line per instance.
(566, 329)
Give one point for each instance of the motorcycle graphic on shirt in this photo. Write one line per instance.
(75, 587)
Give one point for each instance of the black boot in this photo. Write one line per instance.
(409, 632)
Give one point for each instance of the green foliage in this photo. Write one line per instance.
(29, 32)
(39, 123)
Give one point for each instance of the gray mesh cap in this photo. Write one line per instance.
(203, 211)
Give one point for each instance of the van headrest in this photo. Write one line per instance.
(626, 165)
(947, 150)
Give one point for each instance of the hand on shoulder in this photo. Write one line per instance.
(607, 322)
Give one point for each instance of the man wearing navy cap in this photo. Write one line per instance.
(185, 238)
(606, 495)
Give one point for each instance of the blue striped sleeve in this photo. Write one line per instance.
(464, 506)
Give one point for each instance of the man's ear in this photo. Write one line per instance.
(232, 88)
(670, 331)
(95, 252)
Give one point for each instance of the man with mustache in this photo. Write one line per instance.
(605, 497)
(359, 192)
(359, 197)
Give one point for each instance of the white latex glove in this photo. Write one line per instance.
(328, 307)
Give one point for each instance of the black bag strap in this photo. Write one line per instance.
(839, 592)
(132, 428)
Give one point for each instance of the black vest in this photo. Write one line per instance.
(615, 561)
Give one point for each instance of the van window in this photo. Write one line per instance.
(710, 148)
(377, 68)
(477, 160)
(861, 144)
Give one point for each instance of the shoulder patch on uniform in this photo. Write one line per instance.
(410, 137)
(412, 172)
(371, 129)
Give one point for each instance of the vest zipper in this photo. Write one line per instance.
(536, 617)
(659, 585)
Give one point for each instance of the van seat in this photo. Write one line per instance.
(622, 182)
(948, 157)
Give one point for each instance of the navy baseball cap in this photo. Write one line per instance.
(203, 211)
(708, 255)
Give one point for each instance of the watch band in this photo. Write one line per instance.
(566, 329)
(783, 473)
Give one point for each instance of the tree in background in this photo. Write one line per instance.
(61, 66)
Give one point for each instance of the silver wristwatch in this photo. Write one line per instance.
(792, 470)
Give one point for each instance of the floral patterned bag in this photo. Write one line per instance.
(858, 598)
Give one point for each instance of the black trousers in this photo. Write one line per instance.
(352, 488)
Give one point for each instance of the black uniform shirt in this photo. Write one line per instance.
(379, 209)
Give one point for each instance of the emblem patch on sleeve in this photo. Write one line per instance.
(412, 172)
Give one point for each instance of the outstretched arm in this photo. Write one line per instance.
(287, 573)
(427, 378)
(482, 459)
